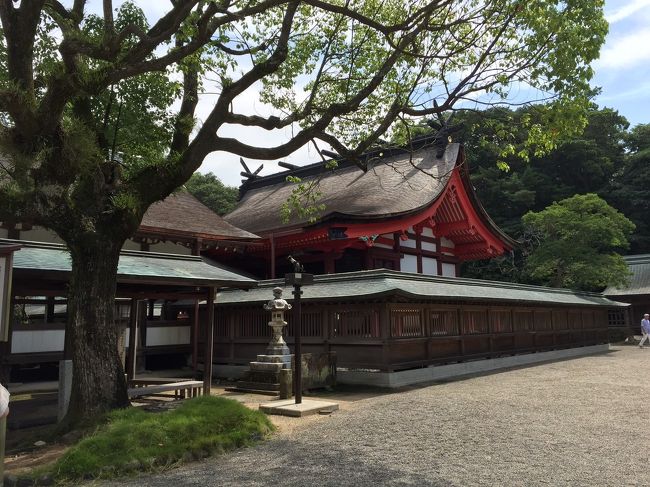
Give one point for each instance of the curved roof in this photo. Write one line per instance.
(401, 182)
(639, 284)
(380, 282)
(53, 260)
(181, 214)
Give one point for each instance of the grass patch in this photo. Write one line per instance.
(137, 440)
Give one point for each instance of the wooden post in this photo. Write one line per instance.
(297, 280)
(195, 337)
(297, 336)
(49, 310)
(133, 341)
(272, 239)
(3, 432)
(209, 344)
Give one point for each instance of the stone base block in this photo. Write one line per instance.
(288, 407)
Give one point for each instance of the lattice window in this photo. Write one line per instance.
(616, 317)
(575, 320)
(406, 323)
(221, 325)
(252, 324)
(443, 322)
(523, 321)
(588, 319)
(500, 321)
(474, 322)
(543, 320)
(560, 320)
(311, 324)
(359, 323)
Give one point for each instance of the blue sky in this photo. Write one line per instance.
(623, 70)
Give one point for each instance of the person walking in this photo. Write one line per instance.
(645, 329)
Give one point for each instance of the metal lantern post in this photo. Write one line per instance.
(297, 279)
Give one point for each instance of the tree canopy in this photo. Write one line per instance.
(629, 190)
(99, 113)
(209, 189)
(578, 239)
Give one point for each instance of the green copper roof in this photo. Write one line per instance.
(640, 280)
(134, 266)
(384, 282)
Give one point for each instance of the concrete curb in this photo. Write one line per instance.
(434, 373)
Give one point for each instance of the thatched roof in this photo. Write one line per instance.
(181, 214)
(397, 182)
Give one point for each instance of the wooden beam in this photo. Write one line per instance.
(286, 165)
(195, 337)
(209, 343)
(444, 229)
(133, 340)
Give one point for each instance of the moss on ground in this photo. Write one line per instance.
(136, 440)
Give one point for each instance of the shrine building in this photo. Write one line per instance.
(412, 210)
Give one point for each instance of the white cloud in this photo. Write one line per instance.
(638, 91)
(628, 9)
(625, 51)
(226, 165)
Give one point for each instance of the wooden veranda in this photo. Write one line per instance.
(41, 272)
(388, 321)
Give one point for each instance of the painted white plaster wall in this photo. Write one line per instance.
(448, 270)
(429, 266)
(407, 243)
(409, 263)
(167, 335)
(445, 242)
(37, 341)
(429, 246)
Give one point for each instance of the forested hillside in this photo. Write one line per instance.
(609, 160)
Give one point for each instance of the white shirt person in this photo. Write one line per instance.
(645, 329)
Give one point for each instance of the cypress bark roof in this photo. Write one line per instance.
(397, 182)
(181, 214)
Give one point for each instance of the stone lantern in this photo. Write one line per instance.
(271, 372)
(277, 306)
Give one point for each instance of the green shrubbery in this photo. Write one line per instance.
(136, 440)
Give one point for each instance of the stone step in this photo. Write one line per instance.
(263, 377)
(253, 391)
(266, 366)
(274, 358)
(263, 386)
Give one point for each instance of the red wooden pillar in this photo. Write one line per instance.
(418, 246)
(209, 343)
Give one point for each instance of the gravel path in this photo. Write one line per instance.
(581, 422)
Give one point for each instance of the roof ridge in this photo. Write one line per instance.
(415, 145)
(141, 253)
(392, 274)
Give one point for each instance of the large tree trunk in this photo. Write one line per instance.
(98, 383)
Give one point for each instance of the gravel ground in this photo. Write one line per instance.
(581, 422)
